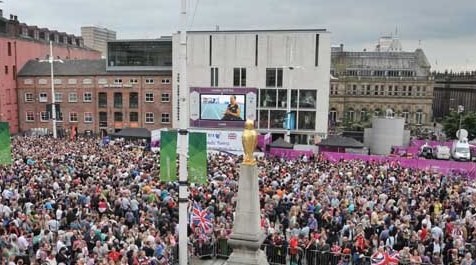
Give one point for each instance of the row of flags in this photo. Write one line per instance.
(197, 157)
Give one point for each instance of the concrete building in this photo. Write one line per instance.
(19, 43)
(452, 90)
(267, 65)
(366, 84)
(96, 38)
(94, 98)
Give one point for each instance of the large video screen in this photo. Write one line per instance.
(225, 107)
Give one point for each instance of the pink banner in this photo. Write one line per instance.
(444, 167)
(289, 153)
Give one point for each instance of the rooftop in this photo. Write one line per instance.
(35, 68)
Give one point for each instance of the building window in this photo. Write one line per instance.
(58, 81)
(214, 76)
(354, 89)
(382, 90)
(149, 81)
(73, 117)
(165, 97)
(350, 115)
(133, 81)
(274, 77)
(9, 48)
(118, 116)
(44, 116)
(333, 115)
(59, 117)
(88, 117)
(149, 117)
(376, 90)
(363, 115)
(42, 81)
(149, 97)
(43, 97)
(102, 100)
(133, 100)
(134, 116)
(73, 97)
(102, 119)
(165, 118)
(117, 81)
(30, 116)
(6, 69)
(117, 100)
(166, 81)
(417, 91)
(410, 88)
(419, 117)
(87, 81)
(29, 97)
(72, 81)
(405, 115)
(239, 77)
(87, 97)
(102, 81)
(58, 97)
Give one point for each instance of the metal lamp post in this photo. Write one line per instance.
(51, 60)
(183, 139)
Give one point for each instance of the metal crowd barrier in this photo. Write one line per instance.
(282, 255)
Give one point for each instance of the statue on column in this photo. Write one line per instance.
(249, 140)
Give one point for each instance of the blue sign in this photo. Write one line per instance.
(106, 140)
(290, 121)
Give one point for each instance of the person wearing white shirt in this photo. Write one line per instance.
(22, 244)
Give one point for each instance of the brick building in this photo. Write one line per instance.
(93, 98)
(19, 43)
(370, 83)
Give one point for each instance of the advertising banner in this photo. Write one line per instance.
(5, 144)
(197, 162)
(168, 156)
(223, 140)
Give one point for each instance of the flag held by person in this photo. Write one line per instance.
(385, 258)
(201, 219)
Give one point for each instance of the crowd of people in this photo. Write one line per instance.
(85, 202)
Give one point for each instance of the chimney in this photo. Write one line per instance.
(217, 28)
(11, 17)
(341, 47)
(15, 18)
(1, 13)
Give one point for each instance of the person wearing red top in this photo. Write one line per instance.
(114, 255)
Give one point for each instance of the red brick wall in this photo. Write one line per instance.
(21, 51)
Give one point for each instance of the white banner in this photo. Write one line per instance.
(223, 140)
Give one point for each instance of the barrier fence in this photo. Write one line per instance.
(281, 255)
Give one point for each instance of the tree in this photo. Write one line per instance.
(451, 124)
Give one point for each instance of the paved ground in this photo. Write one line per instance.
(196, 261)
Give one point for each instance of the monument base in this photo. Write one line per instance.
(246, 257)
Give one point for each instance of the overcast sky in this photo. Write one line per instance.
(446, 30)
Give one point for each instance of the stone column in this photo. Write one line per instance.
(247, 235)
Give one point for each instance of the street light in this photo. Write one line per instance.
(51, 60)
(288, 102)
(460, 111)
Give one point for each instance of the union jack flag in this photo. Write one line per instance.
(201, 219)
(385, 258)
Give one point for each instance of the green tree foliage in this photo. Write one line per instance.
(451, 124)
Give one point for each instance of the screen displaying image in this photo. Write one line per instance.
(222, 107)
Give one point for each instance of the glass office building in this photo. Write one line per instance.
(125, 55)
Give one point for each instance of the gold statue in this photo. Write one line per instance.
(249, 140)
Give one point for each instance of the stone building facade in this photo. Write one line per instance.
(377, 83)
(453, 90)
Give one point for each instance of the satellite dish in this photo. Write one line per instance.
(462, 134)
(389, 113)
